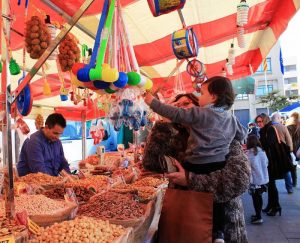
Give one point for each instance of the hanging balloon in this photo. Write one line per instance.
(109, 74)
(100, 84)
(109, 91)
(76, 67)
(133, 78)
(148, 85)
(142, 82)
(122, 80)
(185, 43)
(159, 7)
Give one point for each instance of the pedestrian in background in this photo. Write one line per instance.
(259, 176)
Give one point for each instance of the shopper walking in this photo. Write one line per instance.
(269, 142)
(294, 130)
(259, 176)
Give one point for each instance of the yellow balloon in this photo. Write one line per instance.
(110, 74)
(148, 85)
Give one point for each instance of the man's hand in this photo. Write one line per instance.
(148, 98)
(179, 177)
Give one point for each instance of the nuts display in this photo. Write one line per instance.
(37, 37)
(111, 205)
(40, 179)
(81, 229)
(8, 227)
(149, 181)
(69, 53)
(36, 205)
(144, 193)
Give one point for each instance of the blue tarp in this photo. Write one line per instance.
(290, 107)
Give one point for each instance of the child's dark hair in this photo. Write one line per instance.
(253, 142)
(222, 88)
(193, 98)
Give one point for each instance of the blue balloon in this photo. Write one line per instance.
(122, 81)
(83, 74)
(101, 84)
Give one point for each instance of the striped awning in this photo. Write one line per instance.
(213, 21)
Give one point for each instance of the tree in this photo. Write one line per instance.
(275, 101)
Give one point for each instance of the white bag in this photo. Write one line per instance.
(295, 162)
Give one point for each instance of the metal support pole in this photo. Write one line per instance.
(51, 48)
(83, 121)
(181, 18)
(7, 142)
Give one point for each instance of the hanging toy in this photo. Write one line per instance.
(242, 13)
(69, 53)
(229, 67)
(14, 67)
(52, 31)
(39, 121)
(231, 54)
(195, 68)
(185, 43)
(159, 7)
(24, 101)
(83, 72)
(21, 124)
(37, 37)
(241, 37)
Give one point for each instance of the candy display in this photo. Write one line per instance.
(69, 52)
(81, 229)
(112, 206)
(37, 37)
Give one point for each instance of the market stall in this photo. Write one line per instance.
(95, 59)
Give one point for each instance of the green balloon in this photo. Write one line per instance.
(109, 91)
(133, 78)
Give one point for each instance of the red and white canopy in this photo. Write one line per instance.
(214, 22)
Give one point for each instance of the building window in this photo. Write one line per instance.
(289, 93)
(289, 68)
(292, 80)
(269, 67)
(261, 90)
(242, 97)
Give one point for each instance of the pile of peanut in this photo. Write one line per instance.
(40, 179)
(112, 205)
(149, 181)
(36, 205)
(81, 229)
(144, 193)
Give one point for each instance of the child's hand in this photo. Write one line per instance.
(148, 98)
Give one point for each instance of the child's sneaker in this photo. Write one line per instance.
(219, 237)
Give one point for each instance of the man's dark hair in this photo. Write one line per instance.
(55, 119)
(222, 88)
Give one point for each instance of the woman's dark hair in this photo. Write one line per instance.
(55, 119)
(222, 88)
(190, 96)
(265, 118)
(253, 142)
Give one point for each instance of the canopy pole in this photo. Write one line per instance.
(181, 18)
(50, 49)
(83, 121)
(7, 141)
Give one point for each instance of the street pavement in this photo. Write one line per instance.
(278, 229)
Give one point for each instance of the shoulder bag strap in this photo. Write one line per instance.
(278, 138)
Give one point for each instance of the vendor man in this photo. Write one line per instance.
(43, 151)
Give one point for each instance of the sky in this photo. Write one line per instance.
(290, 39)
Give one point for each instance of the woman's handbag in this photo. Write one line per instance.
(284, 154)
(186, 217)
